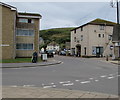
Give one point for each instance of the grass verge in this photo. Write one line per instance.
(18, 60)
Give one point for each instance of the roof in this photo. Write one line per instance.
(97, 21)
(9, 6)
(31, 14)
(116, 33)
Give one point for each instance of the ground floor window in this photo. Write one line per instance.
(72, 51)
(85, 50)
(24, 46)
(98, 51)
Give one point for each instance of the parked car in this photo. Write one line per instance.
(62, 53)
(50, 53)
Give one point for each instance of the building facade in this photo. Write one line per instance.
(53, 46)
(20, 33)
(93, 39)
(116, 41)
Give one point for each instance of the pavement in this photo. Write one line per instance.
(110, 60)
(50, 61)
(38, 92)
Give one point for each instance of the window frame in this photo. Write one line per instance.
(102, 27)
(23, 47)
(24, 30)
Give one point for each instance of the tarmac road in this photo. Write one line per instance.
(74, 74)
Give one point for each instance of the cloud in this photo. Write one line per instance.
(67, 14)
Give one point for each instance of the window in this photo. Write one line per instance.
(23, 32)
(99, 35)
(23, 20)
(75, 31)
(103, 35)
(110, 37)
(24, 46)
(85, 50)
(81, 37)
(81, 28)
(74, 39)
(102, 27)
(93, 50)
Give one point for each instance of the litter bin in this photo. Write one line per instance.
(44, 57)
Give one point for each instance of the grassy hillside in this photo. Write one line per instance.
(59, 35)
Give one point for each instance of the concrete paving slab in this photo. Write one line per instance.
(37, 92)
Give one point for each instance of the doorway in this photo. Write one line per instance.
(78, 50)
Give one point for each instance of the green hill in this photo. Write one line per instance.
(58, 35)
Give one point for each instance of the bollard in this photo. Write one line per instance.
(107, 58)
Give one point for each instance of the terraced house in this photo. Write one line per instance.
(93, 39)
(20, 32)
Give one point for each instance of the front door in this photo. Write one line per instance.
(99, 51)
(78, 51)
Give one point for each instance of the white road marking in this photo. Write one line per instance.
(77, 80)
(28, 85)
(54, 86)
(85, 82)
(69, 84)
(64, 82)
(110, 77)
(91, 78)
(103, 76)
(96, 80)
(47, 87)
(13, 86)
(52, 83)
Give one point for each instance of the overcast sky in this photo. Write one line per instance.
(67, 14)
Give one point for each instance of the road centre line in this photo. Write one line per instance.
(103, 76)
(110, 77)
(85, 82)
(47, 86)
(69, 84)
(77, 80)
(91, 78)
(96, 80)
(64, 82)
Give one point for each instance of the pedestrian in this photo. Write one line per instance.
(34, 57)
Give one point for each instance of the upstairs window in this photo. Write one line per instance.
(24, 20)
(103, 35)
(99, 35)
(74, 39)
(81, 28)
(75, 31)
(102, 27)
(110, 37)
(23, 32)
(81, 37)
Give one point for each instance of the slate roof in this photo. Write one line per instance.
(97, 21)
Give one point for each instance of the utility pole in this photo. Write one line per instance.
(117, 12)
(115, 4)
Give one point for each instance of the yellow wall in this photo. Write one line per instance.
(8, 33)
